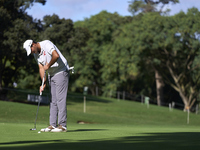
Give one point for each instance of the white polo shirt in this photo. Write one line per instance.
(47, 47)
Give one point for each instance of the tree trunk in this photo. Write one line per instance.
(187, 103)
(0, 82)
(3, 92)
(159, 88)
(92, 89)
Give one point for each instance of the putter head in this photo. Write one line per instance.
(33, 129)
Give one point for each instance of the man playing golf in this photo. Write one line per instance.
(50, 58)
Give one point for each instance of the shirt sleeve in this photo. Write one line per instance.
(49, 47)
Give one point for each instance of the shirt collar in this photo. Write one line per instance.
(41, 52)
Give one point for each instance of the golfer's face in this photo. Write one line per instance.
(33, 48)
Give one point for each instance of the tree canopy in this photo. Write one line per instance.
(16, 27)
(140, 54)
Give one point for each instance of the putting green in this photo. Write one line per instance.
(117, 125)
(100, 136)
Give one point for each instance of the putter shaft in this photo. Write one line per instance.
(39, 103)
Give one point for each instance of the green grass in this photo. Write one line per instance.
(113, 125)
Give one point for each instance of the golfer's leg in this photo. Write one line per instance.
(61, 88)
(53, 105)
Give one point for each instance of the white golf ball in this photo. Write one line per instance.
(39, 132)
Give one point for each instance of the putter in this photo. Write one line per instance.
(40, 98)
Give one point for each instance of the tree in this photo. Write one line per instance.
(118, 60)
(184, 69)
(78, 55)
(171, 46)
(16, 27)
(147, 6)
(68, 38)
(94, 68)
(59, 31)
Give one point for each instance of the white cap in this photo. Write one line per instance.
(27, 46)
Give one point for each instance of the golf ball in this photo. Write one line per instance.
(39, 132)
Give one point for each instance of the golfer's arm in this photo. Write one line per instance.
(42, 71)
(54, 58)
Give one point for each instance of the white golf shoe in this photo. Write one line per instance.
(48, 129)
(59, 129)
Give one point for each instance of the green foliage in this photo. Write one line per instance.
(31, 81)
(59, 31)
(103, 66)
(69, 40)
(118, 60)
(108, 51)
(145, 6)
(170, 43)
(16, 27)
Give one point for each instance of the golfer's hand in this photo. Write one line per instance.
(46, 67)
(54, 58)
(42, 88)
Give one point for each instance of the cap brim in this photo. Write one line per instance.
(28, 49)
(27, 46)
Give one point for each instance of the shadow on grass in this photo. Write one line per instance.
(150, 141)
(81, 130)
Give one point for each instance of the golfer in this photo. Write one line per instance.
(50, 59)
